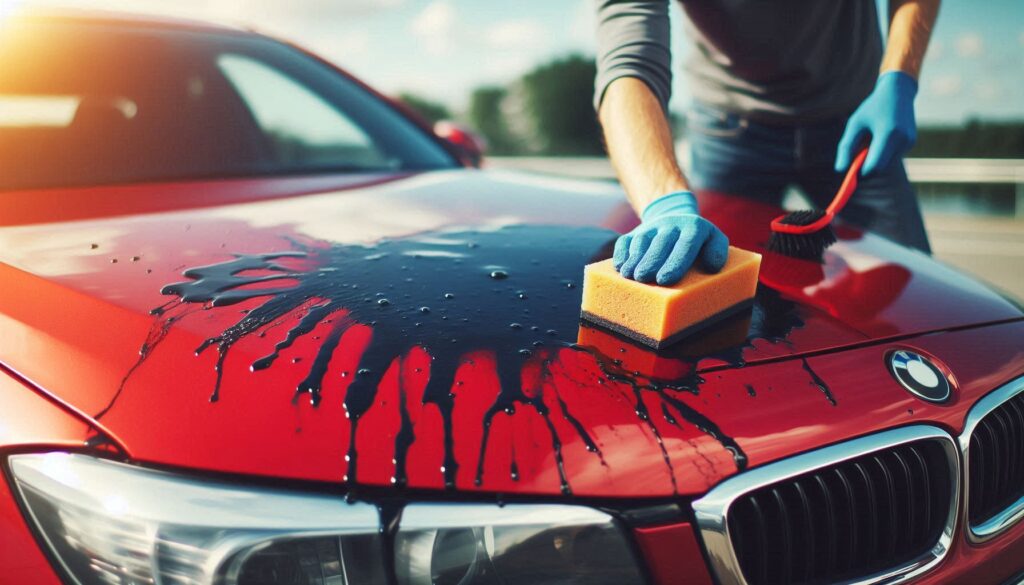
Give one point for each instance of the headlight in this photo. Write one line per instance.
(109, 523)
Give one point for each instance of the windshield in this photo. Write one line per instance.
(93, 104)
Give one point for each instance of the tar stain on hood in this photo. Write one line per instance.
(514, 291)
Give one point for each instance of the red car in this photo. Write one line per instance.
(258, 325)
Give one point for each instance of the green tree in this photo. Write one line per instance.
(975, 139)
(430, 110)
(486, 116)
(556, 102)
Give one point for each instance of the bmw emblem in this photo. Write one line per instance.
(919, 375)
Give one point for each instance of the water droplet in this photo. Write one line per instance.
(113, 260)
(525, 352)
(383, 302)
(522, 295)
(449, 296)
(136, 258)
(363, 371)
(149, 271)
(344, 374)
(552, 332)
(499, 274)
(424, 310)
(94, 246)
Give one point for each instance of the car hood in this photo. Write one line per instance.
(422, 332)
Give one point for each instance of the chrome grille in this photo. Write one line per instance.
(878, 508)
(993, 450)
(846, 521)
(997, 461)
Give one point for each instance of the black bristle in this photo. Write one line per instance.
(802, 217)
(804, 246)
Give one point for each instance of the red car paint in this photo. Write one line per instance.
(29, 421)
(72, 304)
(81, 269)
(672, 551)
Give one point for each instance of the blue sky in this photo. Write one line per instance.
(442, 49)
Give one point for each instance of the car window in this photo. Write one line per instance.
(21, 111)
(86, 103)
(301, 128)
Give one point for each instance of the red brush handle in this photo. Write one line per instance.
(849, 184)
(846, 190)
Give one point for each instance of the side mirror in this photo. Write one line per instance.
(468, 144)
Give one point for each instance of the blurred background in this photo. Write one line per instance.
(520, 74)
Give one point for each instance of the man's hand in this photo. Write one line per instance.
(669, 239)
(887, 117)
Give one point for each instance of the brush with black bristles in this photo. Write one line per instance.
(805, 234)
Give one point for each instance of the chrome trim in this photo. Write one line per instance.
(712, 511)
(437, 516)
(1012, 514)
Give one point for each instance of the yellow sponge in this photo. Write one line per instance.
(661, 315)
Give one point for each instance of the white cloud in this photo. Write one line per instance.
(946, 85)
(970, 45)
(291, 18)
(343, 48)
(583, 25)
(509, 65)
(516, 34)
(988, 89)
(7, 7)
(434, 26)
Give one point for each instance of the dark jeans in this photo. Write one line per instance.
(732, 154)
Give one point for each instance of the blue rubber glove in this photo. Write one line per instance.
(887, 116)
(670, 238)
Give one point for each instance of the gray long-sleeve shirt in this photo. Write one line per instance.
(779, 61)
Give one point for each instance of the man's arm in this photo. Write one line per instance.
(910, 28)
(639, 142)
(887, 115)
(632, 89)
